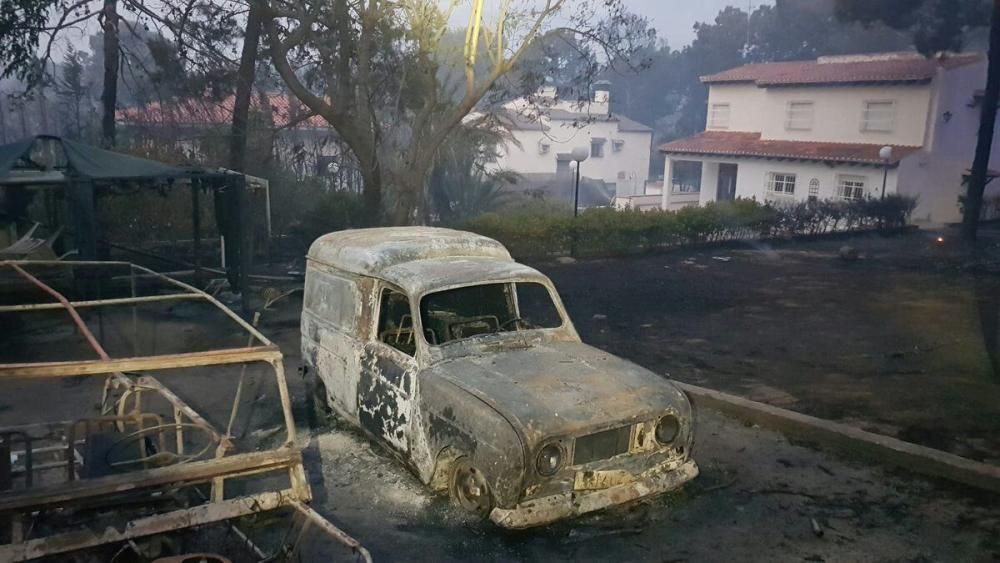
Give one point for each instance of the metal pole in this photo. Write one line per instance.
(576, 192)
(885, 176)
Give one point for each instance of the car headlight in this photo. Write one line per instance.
(667, 429)
(549, 459)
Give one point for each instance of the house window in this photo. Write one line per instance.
(718, 116)
(597, 148)
(799, 116)
(685, 177)
(781, 183)
(851, 187)
(617, 145)
(814, 189)
(879, 116)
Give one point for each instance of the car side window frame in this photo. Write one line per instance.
(376, 336)
(326, 282)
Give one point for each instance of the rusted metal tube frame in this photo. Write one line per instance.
(99, 302)
(197, 516)
(146, 271)
(110, 367)
(331, 530)
(212, 512)
(64, 303)
(151, 525)
(240, 465)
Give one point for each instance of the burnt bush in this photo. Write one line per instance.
(606, 231)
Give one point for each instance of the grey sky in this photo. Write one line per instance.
(675, 19)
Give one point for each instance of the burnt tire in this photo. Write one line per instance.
(469, 488)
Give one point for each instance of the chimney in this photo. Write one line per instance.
(601, 104)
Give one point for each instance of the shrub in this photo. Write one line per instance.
(605, 231)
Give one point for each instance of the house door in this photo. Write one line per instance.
(726, 189)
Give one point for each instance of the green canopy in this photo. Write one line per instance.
(83, 169)
(10, 154)
(86, 161)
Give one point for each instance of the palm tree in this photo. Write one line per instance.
(461, 186)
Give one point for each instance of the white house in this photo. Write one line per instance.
(546, 130)
(814, 130)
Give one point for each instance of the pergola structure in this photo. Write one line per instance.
(82, 171)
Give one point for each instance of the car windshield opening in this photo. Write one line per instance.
(457, 314)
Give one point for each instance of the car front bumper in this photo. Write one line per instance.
(544, 510)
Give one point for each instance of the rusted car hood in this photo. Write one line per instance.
(562, 388)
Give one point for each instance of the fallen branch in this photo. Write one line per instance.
(720, 486)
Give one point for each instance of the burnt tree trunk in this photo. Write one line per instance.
(109, 96)
(987, 123)
(371, 189)
(244, 90)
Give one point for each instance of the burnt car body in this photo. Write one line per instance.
(465, 364)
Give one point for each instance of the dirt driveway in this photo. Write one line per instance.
(898, 342)
(893, 342)
(755, 500)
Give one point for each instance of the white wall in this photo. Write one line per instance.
(956, 137)
(837, 112)
(745, 101)
(648, 202)
(632, 161)
(935, 174)
(752, 174)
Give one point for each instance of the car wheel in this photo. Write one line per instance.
(469, 489)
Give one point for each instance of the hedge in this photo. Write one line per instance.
(606, 231)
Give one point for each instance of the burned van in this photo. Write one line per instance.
(465, 364)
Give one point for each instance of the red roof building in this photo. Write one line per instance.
(862, 69)
(724, 143)
(842, 127)
(284, 111)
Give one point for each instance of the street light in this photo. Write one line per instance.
(885, 153)
(579, 154)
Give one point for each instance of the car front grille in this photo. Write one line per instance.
(602, 445)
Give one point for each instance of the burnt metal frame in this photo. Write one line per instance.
(215, 471)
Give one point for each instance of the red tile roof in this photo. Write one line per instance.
(286, 112)
(887, 67)
(726, 143)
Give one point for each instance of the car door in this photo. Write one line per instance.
(388, 368)
(330, 345)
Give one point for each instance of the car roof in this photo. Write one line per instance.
(423, 276)
(372, 252)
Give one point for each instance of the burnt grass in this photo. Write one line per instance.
(902, 341)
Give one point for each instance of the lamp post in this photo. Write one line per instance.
(885, 153)
(578, 155)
